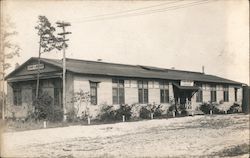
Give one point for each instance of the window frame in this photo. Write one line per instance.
(17, 96)
(213, 93)
(93, 86)
(164, 91)
(236, 94)
(225, 93)
(142, 91)
(120, 91)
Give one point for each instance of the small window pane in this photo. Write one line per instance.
(140, 84)
(140, 96)
(145, 84)
(121, 96)
(145, 96)
(121, 84)
(161, 85)
(115, 83)
(115, 92)
(167, 96)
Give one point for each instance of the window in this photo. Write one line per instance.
(17, 96)
(225, 93)
(199, 94)
(57, 96)
(118, 91)
(235, 94)
(93, 93)
(143, 91)
(213, 93)
(164, 92)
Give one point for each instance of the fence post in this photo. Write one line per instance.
(88, 120)
(173, 114)
(44, 124)
(211, 112)
(152, 116)
(123, 118)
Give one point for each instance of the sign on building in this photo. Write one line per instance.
(187, 83)
(35, 67)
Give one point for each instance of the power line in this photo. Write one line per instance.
(147, 11)
(132, 10)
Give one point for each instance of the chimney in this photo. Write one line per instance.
(203, 69)
(16, 65)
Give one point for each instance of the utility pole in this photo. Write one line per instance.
(63, 25)
(38, 68)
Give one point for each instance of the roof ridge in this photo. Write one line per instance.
(102, 62)
(109, 63)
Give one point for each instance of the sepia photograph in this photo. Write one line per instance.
(124, 78)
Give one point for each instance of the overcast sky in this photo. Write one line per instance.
(214, 34)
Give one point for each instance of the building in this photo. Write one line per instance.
(110, 83)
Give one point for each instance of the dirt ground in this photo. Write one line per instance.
(198, 136)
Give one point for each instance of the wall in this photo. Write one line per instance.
(14, 111)
(104, 92)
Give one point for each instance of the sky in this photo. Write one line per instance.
(213, 34)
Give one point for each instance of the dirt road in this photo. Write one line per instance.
(217, 135)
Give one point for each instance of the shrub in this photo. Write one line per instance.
(107, 113)
(145, 112)
(235, 108)
(135, 111)
(172, 108)
(206, 107)
(56, 114)
(71, 115)
(125, 110)
(158, 111)
(44, 110)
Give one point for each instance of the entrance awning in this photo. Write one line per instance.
(191, 88)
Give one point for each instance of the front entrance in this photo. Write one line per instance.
(183, 95)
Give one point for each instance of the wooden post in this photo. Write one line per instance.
(152, 116)
(63, 25)
(123, 118)
(88, 120)
(211, 112)
(44, 124)
(173, 113)
(38, 68)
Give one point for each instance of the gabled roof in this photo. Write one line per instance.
(139, 71)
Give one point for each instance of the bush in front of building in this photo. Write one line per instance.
(135, 111)
(172, 108)
(145, 112)
(206, 107)
(235, 108)
(44, 110)
(125, 110)
(107, 113)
